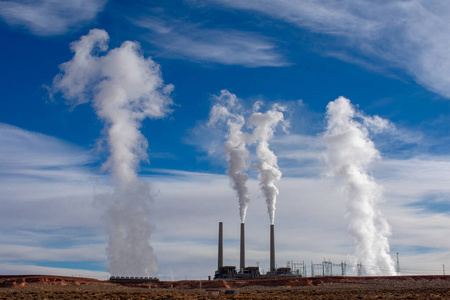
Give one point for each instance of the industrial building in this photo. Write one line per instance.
(230, 272)
(133, 278)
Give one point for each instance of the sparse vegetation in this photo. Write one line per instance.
(52, 287)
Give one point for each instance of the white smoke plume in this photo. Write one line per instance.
(269, 174)
(124, 88)
(350, 151)
(235, 146)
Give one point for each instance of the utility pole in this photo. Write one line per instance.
(443, 269)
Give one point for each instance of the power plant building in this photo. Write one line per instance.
(230, 272)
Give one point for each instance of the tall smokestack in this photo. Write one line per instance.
(220, 261)
(242, 266)
(272, 248)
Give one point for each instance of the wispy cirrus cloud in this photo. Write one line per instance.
(91, 252)
(410, 35)
(28, 150)
(45, 183)
(178, 39)
(48, 213)
(50, 17)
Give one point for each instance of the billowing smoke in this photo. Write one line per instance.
(350, 151)
(235, 146)
(264, 127)
(124, 89)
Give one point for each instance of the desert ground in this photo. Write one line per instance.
(393, 287)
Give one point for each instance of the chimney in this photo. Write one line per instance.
(272, 248)
(220, 260)
(242, 265)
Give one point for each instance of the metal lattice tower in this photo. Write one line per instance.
(359, 267)
(398, 266)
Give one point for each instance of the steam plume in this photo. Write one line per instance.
(350, 151)
(264, 126)
(235, 146)
(124, 88)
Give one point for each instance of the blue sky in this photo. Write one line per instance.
(390, 59)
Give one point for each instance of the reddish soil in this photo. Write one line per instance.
(393, 287)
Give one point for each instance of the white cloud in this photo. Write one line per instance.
(91, 252)
(311, 219)
(223, 46)
(299, 155)
(419, 226)
(47, 199)
(58, 221)
(44, 181)
(25, 149)
(50, 17)
(412, 35)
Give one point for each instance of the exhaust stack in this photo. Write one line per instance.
(220, 260)
(272, 248)
(242, 264)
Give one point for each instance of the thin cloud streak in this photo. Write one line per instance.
(221, 46)
(50, 17)
(89, 252)
(411, 35)
(26, 150)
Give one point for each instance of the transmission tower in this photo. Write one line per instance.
(398, 266)
(359, 268)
